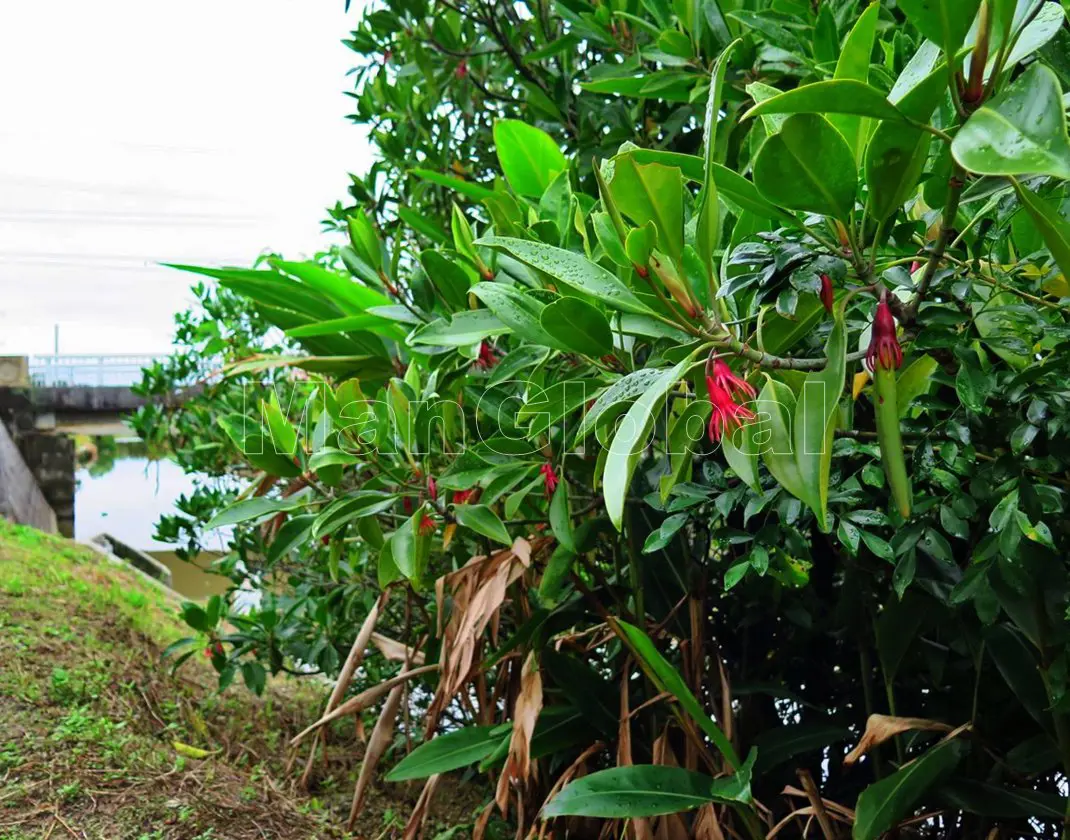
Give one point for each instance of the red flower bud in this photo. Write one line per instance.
(884, 349)
(827, 296)
(550, 479)
(432, 488)
(461, 497)
(406, 504)
(462, 69)
(487, 357)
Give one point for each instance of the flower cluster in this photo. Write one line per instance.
(725, 388)
(487, 357)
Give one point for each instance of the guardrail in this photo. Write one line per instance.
(88, 370)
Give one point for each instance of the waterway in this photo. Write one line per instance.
(123, 493)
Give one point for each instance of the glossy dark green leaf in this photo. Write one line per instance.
(482, 520)
(578, 325)
(1053, 228)
(1022, 131)
(807, 166)
(631, 437)
(885, 803)
(781, 744)
(667, 678)
(642, 790)
(449, 751)
(572, 269)
(834, 96)
(944, 22)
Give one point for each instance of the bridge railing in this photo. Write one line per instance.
(88, 370)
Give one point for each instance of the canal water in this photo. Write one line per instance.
(123, 493)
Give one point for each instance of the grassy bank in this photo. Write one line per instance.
(96, 733)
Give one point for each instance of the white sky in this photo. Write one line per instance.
(140, 131)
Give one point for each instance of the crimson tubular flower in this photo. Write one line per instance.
(461, 497)
(550, 478)
(827, 296)
(432, 488)
(487, 358)
(725, 388)
(427, 525)
(884, 349)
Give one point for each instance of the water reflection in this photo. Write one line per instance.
(121, 491)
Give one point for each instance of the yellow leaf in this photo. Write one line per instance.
(860, 381)
(192, 752)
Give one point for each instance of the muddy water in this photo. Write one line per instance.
(124, 494)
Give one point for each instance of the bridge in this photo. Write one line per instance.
(42, 400)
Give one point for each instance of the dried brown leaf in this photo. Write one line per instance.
(419, 811)
(395, 651)
(380, 739)
(879, 728)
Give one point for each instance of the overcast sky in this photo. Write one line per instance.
(134, 132)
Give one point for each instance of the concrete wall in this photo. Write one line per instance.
(45, 466)
(21, 500)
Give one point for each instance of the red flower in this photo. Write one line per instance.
(884, 347)
(728, 415)
(550, 478)
(462, 69)
(487, 357)
(461, 497)
(427, 526)
(432, 488)
(727, 381)
(914, 266)
(406, 504)
(827, 297)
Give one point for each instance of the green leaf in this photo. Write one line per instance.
(561, 517)
(474, 191)
(853, 65)
(648, 193)
(294, 532)
(330, 456)
(424, 225)
(256, 448)
(283, 435)
(667, 678)
(815, 422)
(578, 325)
(258, 508)
(1053, 228)
(776, 409)
(944, 21)
(687, 430)
(783, 743)
(521, 312)
(349, 508)
(447, 752)
(990, 800)
(482, 520)
(462, 330)
(708, 229)
(1022, 131)
(529, 157)
(631, 437)
(834, 96)
(642, 790)
(572, 269)
(808, 166)
(914, 381)
(885, 803)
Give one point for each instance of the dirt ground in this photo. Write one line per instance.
(98, 739)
